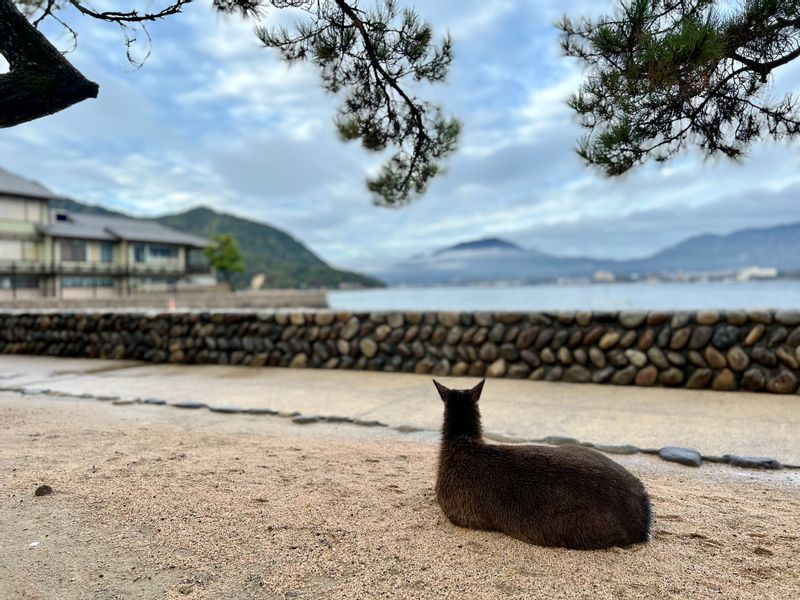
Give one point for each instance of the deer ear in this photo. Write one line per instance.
(441, 389)
(476, 391)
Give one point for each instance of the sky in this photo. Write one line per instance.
(213, 119)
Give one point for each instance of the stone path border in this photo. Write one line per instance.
(684, 456)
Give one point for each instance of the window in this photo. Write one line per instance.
(62, 217)
(138, 252)
(163, 251)
(106, 252)
(73, 250)
(86, 282)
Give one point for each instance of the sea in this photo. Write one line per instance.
(779, 293)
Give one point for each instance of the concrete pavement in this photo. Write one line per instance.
(714, 423)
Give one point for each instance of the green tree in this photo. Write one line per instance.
(370, 57)
(666, 74)
(224, 255)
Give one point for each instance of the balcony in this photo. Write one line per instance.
(87, 269)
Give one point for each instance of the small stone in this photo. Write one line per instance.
(683, 456)
(531, 358)
(449, 319)
(699, 379)
(671, 377)
(189, 404)
(229, 409)
(602, 375)
(611, 449)
(594, 334)
(460, 369)
(777, 336)
(624, 376)
(754, 379)
(657, 357)
(583, 318)
(350, 329)
(488, 352)
(657, 318)
(396, 320)
(738, 359)
(707, 317)
(647, 339)
(185, 588)
(577, 374)
(527, 337)
(617, 359)
(736, 317)
(679, 320)
(697, 359)
(715, 358)
(477, 369)
(554, 373)
(580, 356)
(300, 361)
(43, 490)
(760, 316)
(725, 337)
(636, 358)
(538, 374)
(700, 337)
(560, 440)
(676, 358)
(564, 356)
(725, 381)
(754, 335)
(297, 319)
(510, 352)
(788, 317)
(786, 356)
(382, 332)
(609, 340)
(547, 356)
(632, 319)
(647, 376)
(519, 371)
(794, 338)
(324, 318)
(597, 357)
(497, 368)
(764, 356)
(628, 339)
(442, 368)
(752, 462)
(784, 382)
(306, 419)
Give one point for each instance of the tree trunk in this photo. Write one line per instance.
(40, 81)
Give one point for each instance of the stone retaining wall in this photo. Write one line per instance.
(754, 350)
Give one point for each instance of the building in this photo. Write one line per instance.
(50, 252)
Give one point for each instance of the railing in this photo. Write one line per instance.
(98, 269)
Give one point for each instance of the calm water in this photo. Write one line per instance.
(617, 296)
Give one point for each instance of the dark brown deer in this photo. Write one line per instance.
(566, 496)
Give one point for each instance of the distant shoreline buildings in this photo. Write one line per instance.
(46, 252)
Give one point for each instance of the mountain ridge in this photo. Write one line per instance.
(776, 247)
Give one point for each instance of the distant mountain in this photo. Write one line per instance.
(497, 260)
(487, 244)
(285, 261)
(492, 260)
(777, 247)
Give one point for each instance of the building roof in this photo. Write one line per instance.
(14, 185)
(101, 227)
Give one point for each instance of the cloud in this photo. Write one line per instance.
(214, 119)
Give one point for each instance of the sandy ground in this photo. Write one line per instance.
(157, 502)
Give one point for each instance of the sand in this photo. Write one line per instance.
(157, 502)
